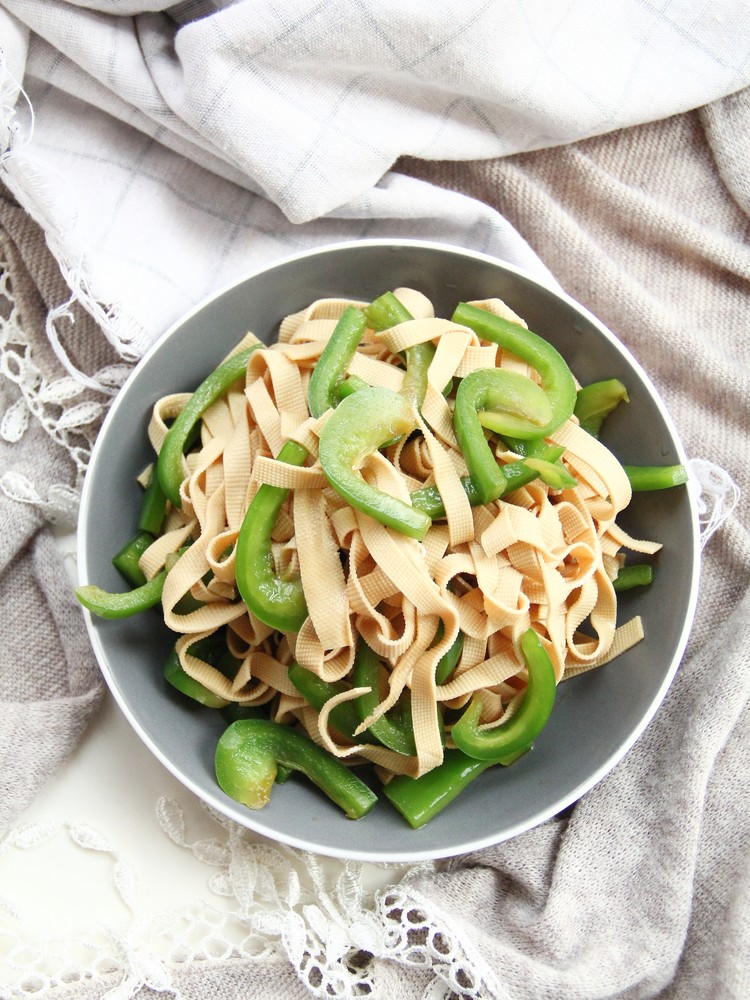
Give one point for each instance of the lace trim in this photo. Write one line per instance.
(62, 405)
(270, 900)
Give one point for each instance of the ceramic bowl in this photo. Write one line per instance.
(597, 716)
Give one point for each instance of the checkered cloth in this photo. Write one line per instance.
(164, 151)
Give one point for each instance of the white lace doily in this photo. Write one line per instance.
(262, 900)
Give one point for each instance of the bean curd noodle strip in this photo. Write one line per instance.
(540, 558)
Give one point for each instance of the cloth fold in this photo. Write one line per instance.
(172, 148)
(50, 685)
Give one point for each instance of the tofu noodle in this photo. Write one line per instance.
(538, 557)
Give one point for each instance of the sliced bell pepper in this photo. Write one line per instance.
(169, 467)
(330, 369)
(359, 425)
(556, 377)
(386, 311)
(277, 602)
(487, 389)
(420, 799)
(520, 731)
(128, 557)
(122, 605)
(644, 478)
(595, 401)
(248, 754)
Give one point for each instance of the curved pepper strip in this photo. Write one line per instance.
(396, 735)
(248, 754)
(383, 313)
(481, 390)
(520, 731)
(278, 603)
(122, 605)
(169, 466)
(330, 369)
(358, 426)
(556, 377)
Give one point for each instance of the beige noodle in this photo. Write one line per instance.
(539, 557)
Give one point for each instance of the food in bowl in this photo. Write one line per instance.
(387, 538)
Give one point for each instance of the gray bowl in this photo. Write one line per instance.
(597, 717)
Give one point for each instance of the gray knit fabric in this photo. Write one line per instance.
(49, 681)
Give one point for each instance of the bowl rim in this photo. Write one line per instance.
(233, 810)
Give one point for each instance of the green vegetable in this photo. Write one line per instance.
(330, 369)
(175, 675)
(277, 602)
(420, 799)
(520, 731)
(349, 386)
(655, 477)
(121, 605)
(385, 312)
(527, 413)
(170, 468)
(344, 717)
(556, 378)
(635, 575)
(517, 474)
(449, 660)
(236, 710)
(127, 559)
(396, 734)
(554, 474)
(248, 754)
(153, 506)
(358, 426)
(596, 401)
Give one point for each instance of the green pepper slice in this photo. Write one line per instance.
(395, 733)
(634, 575)
(248, 754)
(277, 602)
(128, 558)
(359, 425)
(122, 605)
(520, 731)
(344, 717)
(420, 799)
(330, 369)
(556, 377)
(169, 467)
(487, 389)
(153, 506)
(383, 313)
(595, 401)
(644, 478)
